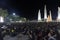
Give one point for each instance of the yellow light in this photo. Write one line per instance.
(48, 19)
(12, 30)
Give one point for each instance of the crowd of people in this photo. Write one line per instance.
(34, 31)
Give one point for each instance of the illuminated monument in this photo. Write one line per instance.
(49, 19)
(46, 19)
(50, 16)
(45, 13)
(58, 17)
(39, 16)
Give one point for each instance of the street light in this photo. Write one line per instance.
(14, 14)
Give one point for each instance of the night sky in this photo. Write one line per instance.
(29, 8)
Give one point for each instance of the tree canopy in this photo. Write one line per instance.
(3, 13)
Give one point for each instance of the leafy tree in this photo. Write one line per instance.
(3, 13)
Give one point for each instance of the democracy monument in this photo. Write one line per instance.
(48, 18)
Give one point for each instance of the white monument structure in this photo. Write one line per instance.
(47, 19)
(50, 16)
(39, 15)
(45, 12)
(58, 17)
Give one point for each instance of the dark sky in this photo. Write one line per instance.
(29, 8)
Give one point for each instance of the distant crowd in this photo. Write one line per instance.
(34, 32)
(39, 33)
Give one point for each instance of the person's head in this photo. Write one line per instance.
(52, 31)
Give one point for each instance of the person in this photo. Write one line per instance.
(39, 34)
(1, 36)
(51, 35)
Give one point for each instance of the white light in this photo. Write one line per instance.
(14, 14)
(20, 21)
(1, 19)
(10, 19)
(50, 16)
(58, 13)
(58, 17)
(39, 15)
(45, 13)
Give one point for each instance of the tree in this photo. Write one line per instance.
(3, 13)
